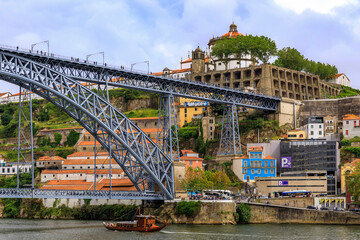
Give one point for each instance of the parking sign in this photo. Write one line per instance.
(286, 162)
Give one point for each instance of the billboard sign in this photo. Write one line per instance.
(283, 183)
(285, 162)
(196, 104)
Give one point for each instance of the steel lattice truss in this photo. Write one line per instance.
(230, 135)
(144, 163)
(122, 78)
(167, 136)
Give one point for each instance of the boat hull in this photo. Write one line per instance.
(153, 228)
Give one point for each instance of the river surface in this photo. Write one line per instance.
(78, 230)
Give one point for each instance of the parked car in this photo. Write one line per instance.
(324, 208)
(311, 207)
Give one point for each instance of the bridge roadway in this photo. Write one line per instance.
(82, 70)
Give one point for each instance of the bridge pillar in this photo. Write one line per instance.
(167, 137)
(25, 133)
(230, 135)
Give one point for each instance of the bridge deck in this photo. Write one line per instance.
(86, 71)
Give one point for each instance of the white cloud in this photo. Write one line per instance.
(319, 6)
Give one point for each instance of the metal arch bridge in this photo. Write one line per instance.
(144, 163)
(86, 71)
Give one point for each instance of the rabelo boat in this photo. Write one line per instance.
(142, 223)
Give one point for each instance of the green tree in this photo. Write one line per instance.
(290, 58)
(72, 138)
(265, 48)
(223, 49)
(57, 138)
(5, 119)
(353, 184)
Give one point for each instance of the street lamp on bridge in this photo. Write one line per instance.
(47, 42)
(133, 64)
(102, 53)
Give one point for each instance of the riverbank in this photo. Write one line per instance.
(179, 212)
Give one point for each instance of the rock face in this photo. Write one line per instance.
(278, 214)
(210, 213)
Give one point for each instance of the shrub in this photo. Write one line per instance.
(190, 209)
(72, 138)
(57, 137)
(244, 213)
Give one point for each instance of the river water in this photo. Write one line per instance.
(78, 230)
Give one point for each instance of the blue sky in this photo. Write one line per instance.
(164, 31)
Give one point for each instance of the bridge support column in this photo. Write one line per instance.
(25, 133)
(230, 135)
(167, 137)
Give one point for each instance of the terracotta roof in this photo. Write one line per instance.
(87, 154)
(243, 156)
(75, 187)
(53, 158)
(232, 35)
(67, 182)
(2, 94)
(88, 162)
(86, 171)
(255, 148)
(350, 117)
(355, 162)
(149, 130)
(269, 157)
(157, 73)
(91, 143)
(187, 151)
(187, 60)
(336, 75)
(190, 158)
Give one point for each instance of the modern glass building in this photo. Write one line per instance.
(310, 154)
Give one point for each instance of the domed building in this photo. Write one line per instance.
(212, 63)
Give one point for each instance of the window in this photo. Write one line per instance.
(312, 133)
(320, 132)
(354, 123)
(219, 64)
(259, 171)
(245, 170)
(252, 171)
(347, 122)
(266, 171)
(347, 132)
(245, 163)
(195, 109)
(271, 171)
(84, 148)
(67, 175)
(319, 126)
(311, 126)
(185, 110)
(301, 135)
(190, 163)
(80, 174)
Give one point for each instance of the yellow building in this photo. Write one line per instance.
(348, 168)
(296, 134)
(190, 108)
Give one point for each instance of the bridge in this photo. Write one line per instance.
(148, 165)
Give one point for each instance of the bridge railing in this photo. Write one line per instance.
(76, 194)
